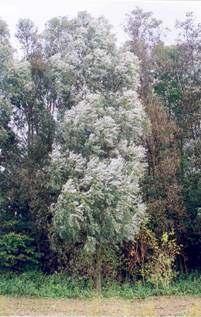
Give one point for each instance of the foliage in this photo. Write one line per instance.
(151, 258)
(100, 151)
(144, 37)
(161, 185)
(160, 269)
(16, 252)
(177, 83)
(62, 286)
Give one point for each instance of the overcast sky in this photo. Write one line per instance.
(114, 10)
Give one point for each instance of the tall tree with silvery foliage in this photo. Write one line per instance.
(99, 148)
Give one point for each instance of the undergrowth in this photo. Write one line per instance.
(62, 286)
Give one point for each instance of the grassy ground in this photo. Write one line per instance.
(152, 307)
(34, 294)
(60, 286)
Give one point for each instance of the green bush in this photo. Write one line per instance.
(16, 252)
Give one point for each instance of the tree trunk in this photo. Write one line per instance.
(98, 269)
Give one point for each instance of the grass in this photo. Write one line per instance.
(61, 286)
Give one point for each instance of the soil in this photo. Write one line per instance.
(152, 307)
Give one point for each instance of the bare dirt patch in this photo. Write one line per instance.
(152, 307)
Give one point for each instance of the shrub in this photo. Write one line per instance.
(160, 269)
(16, 252)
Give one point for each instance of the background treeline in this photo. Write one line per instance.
(95, 139)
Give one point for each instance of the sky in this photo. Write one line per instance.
(114, 10)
